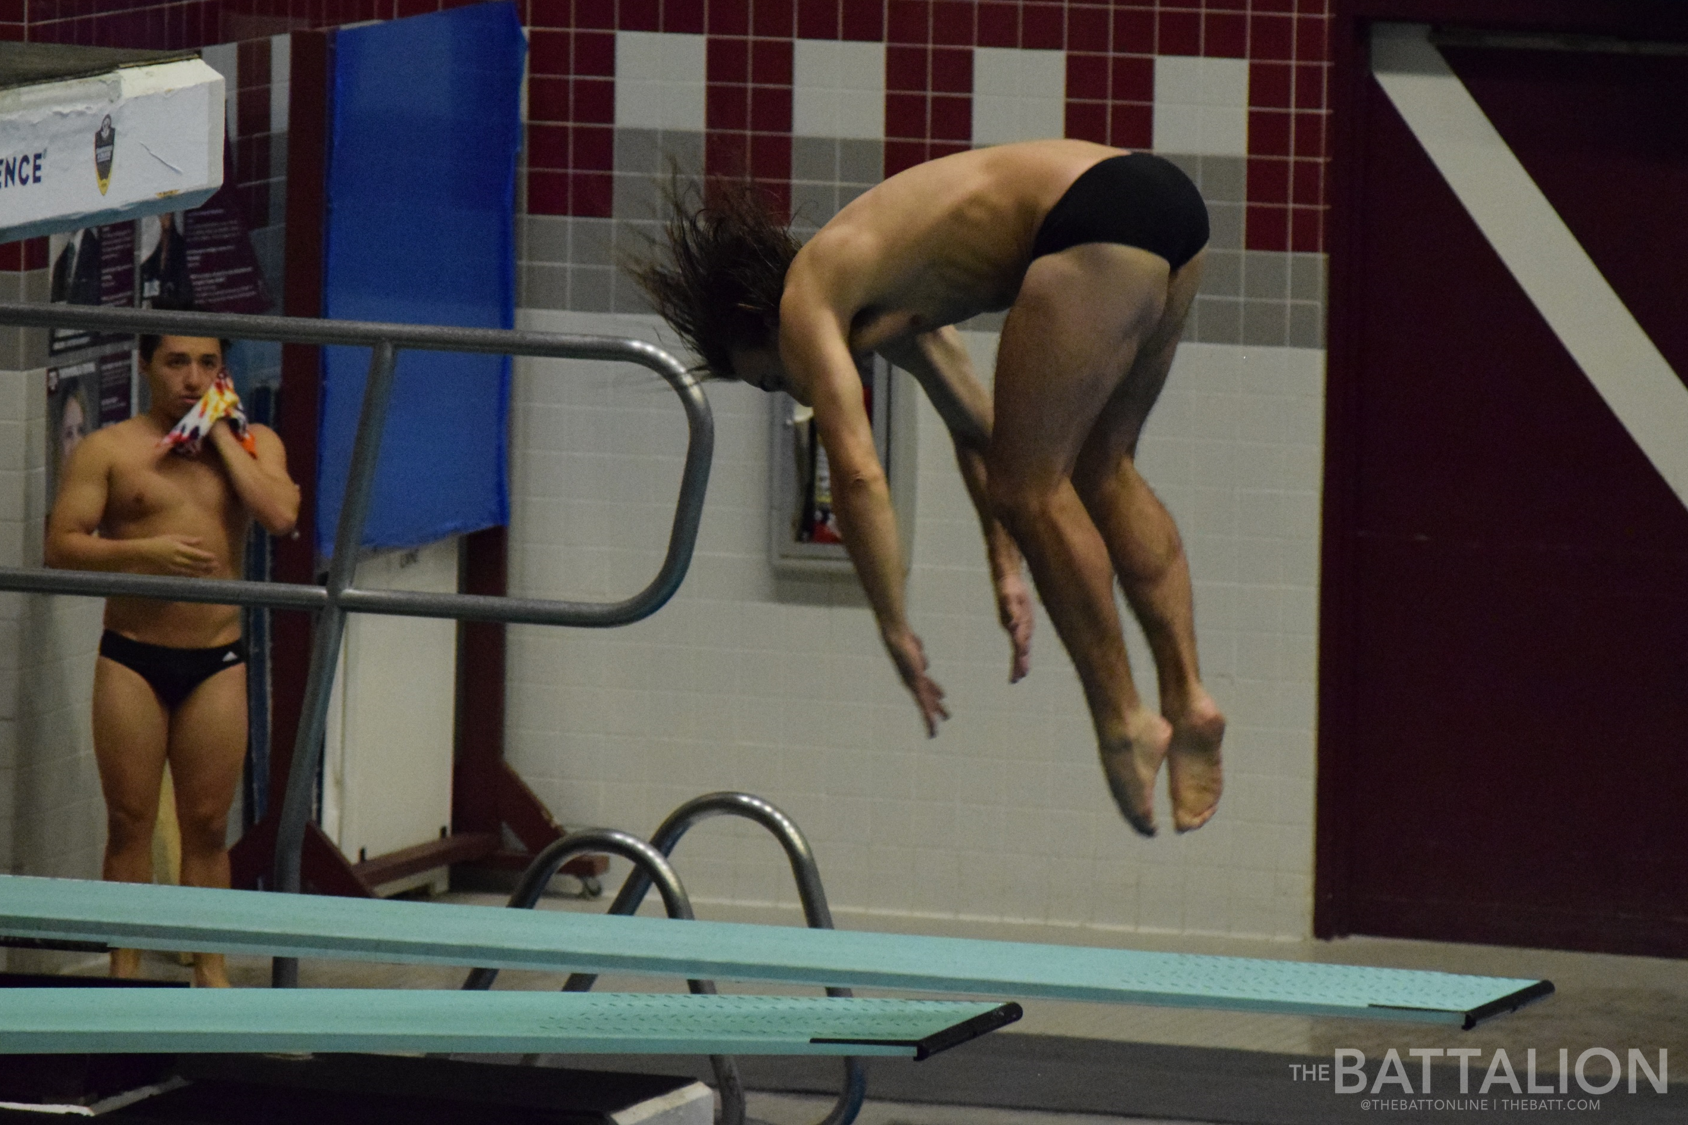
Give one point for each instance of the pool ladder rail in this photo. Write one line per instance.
(651, 866)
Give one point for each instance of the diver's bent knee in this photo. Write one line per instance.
(1018, 507)
(1096, 475)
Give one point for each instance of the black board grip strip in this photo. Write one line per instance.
(952, 1036)
(1500, 1006)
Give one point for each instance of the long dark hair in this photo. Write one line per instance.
(721, 284)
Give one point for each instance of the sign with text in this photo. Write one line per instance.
(88, 151)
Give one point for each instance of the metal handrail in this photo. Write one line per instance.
(694, 475)
(338, 597)
(651, 864)
(349, 333)
(804, 870)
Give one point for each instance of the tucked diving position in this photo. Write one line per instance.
(1096, 255)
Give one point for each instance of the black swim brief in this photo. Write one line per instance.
(1136, 200)
(173, 673)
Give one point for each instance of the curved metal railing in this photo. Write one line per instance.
(804, 870)
(651, 865)
(338, 596)
(810, 893)
(694, 476)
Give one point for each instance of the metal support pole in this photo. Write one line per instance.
(325, 644)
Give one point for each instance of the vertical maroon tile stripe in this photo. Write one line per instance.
(1111, 75)
(571, 105)
(747, 109)
(929, 75)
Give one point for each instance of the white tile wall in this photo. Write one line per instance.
(224, 58)
(1018, 95)
(742, 682)
(281, 78)
(14, 409)
(659, 80)
(838, 89)
(52, 820)
(1201, 105)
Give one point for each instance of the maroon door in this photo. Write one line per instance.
(1504, 681)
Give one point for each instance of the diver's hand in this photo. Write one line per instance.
(909, 655)
(1014, 610)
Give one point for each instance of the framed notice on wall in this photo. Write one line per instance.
(803, 529)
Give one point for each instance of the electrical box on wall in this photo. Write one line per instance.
(803, 533)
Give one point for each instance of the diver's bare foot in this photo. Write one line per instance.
(125, 963)
(1193, 766)
(1130, 765)
(209, 971)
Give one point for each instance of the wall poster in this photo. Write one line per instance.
(91, 266)
(200, 259)
(92, 380)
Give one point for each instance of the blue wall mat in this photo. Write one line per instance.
(424, 128)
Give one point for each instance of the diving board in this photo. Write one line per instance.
(247, 1020)
(159, 917)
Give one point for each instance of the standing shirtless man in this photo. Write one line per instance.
(170, 682)
(1096, 254)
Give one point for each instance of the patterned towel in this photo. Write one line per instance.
(218, 402)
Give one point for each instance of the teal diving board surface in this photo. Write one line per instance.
(229, 1020)
(158, 917)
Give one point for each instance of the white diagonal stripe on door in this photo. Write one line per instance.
(1557, 274)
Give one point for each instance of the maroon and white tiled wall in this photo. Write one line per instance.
(933, 83)
(818, 100)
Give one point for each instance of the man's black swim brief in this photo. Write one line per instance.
(1136, 200)
(173, 673)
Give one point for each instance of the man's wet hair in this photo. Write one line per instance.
(149, 343)
(727, 258)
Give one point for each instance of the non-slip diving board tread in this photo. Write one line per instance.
(160, 917)
(107, 1021)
